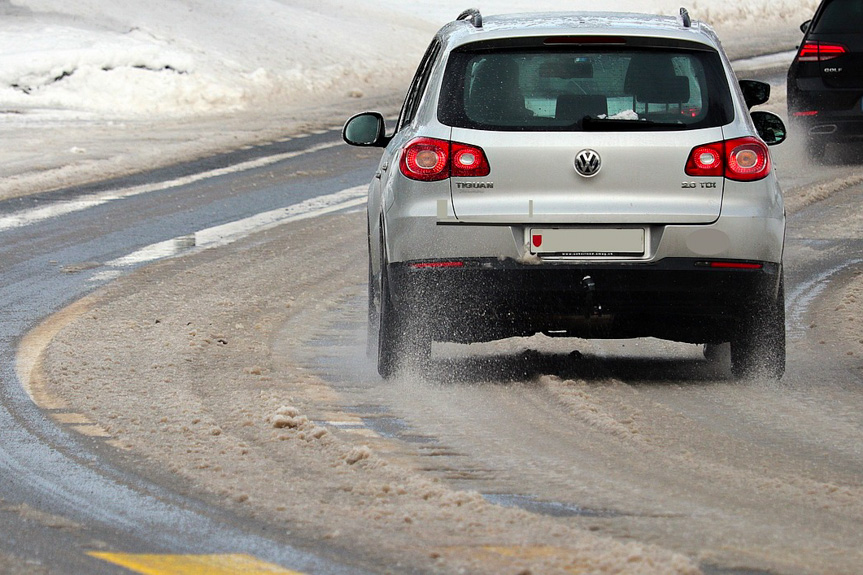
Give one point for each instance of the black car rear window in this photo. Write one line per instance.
(841, 17)
(574, 88)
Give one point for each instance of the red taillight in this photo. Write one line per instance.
(437, 265)
(830, 51)
(808, 52)
(820, 52)
(430, 160)
(426, 159)
(806, 114)
(468, 161)
(748, 159)
(743, 160)
(707, 160)
(735, 265)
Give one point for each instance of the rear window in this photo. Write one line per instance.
(841, 17)
(577, 89)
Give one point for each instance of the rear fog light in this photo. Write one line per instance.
(725, 265)
(437, 265)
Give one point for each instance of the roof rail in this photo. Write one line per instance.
(685, 19)
(473, 16)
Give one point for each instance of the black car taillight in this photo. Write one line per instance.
(820, 52)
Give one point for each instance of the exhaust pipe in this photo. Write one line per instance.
(823, 130)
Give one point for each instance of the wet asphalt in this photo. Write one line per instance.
(83, 503)
(59, 499)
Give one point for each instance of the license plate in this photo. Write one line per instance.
(569, 242)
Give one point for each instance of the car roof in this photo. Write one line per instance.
(466, 31)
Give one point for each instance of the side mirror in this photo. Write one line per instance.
(805, 26)
(770, 127)
(367, 129)
(754, 92)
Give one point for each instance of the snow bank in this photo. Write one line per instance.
(716, 13)
(175, 57)
(124, 58)
(754, 13)
(62, 67)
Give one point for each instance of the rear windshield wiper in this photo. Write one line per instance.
(591, 124)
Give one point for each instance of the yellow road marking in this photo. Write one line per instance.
(28, 360)
(193, 564)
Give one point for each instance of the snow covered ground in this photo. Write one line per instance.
(95, 88)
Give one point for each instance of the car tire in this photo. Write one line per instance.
(373, 329)
(403, 342)
(387, 334)
(758, 350)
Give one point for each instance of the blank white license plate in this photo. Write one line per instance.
(569, 242)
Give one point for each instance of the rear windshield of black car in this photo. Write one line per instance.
(573, 88)
(841, 17)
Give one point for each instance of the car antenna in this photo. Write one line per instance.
(473, 16)
(684, 17)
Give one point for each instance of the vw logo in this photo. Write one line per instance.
(588, 163)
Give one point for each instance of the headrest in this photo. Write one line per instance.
(651, 78)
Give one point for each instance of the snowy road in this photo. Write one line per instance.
(635, 441)
(58, 499)
(644, 440)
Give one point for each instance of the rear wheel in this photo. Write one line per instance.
(403, 341)
(386, 338)
(373, 325)
(759, 349)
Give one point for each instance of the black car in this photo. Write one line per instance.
(825, 82)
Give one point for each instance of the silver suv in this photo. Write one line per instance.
(590, 175)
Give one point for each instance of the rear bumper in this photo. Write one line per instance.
(835, 114)
(486, 299)
(835, 129)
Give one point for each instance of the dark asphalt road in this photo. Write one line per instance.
(58, 498)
